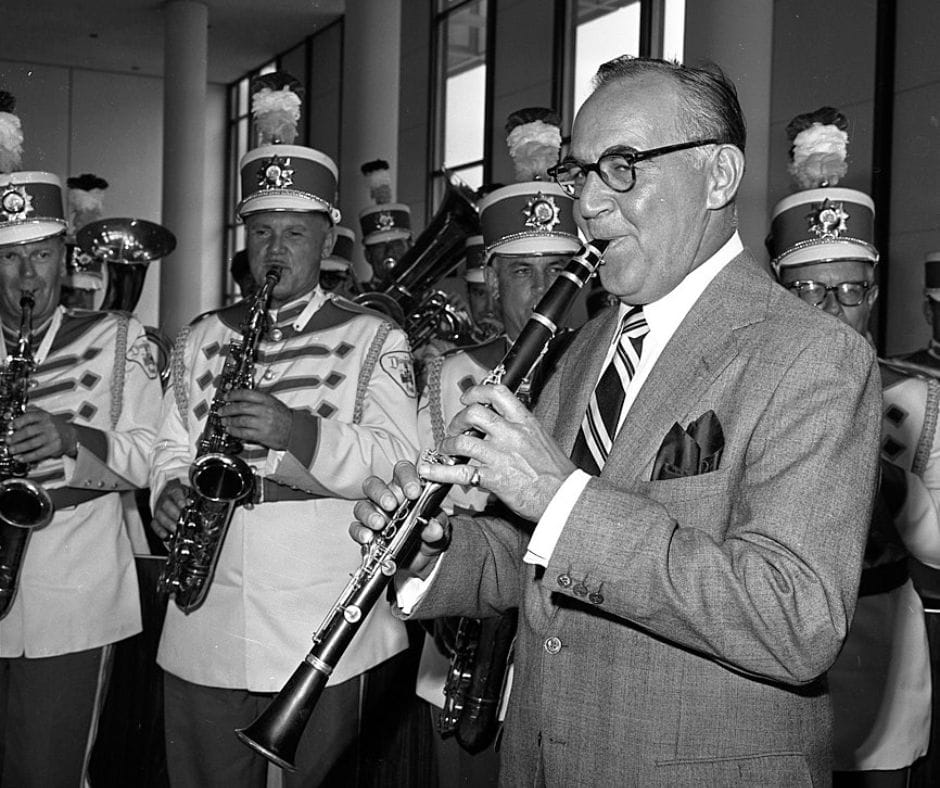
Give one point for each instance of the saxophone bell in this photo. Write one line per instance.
(221, 478)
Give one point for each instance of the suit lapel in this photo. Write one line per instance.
(702, 346)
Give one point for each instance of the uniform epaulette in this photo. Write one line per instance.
(337, 311)
(231, 315)
(351, 306)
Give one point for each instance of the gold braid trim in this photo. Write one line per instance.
(925, 444)
(435, 399)
(368, 365)
(120, 367)
(178, 375)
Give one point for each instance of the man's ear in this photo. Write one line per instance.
(329, 239)
(726, 169)
(872, 295)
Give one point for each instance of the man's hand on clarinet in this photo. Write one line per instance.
(383, 499)
(516, 459)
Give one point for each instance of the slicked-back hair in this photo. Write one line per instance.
(708, 99)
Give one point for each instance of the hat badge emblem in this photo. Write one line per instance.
(541, 213)
(276, 173)
(15, 203)
(827, 219)
(385, 221)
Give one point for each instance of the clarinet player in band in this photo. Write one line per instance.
(334, 399)
(695, 483)
(93, 401)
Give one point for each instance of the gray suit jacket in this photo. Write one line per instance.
(719, 600)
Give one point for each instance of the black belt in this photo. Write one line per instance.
(883, 578)
(269, 491)
(64, 497)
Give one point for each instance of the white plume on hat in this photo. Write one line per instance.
(533, 136)
(11, 135)
(378, 180)
(818, 148)
(275, 107)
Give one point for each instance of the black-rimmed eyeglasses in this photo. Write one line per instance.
(814, 293)
(616, 167)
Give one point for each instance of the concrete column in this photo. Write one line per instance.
(371, 66)
(739, 38)
(184, 132)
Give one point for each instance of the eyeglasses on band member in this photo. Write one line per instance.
(616, 167)
(815, 293)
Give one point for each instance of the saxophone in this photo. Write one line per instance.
(219, 479)
(276, 732)
(24, 505)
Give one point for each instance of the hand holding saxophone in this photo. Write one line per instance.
(384, 499)
(253, 416)
(166, 512)
(39, 435)
(510, 454)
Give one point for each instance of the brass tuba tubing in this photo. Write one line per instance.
(277, 730)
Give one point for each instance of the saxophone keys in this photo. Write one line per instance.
(352, 614)
(388, 567)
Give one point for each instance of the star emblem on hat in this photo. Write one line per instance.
(15, 204)
(541, 213)
(385, 221)
(827, 219)
(276, 173)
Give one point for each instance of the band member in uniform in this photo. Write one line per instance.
(334, 400)
(926, 361)
(529, 234)
(385, 226)
(84, 281)
(86, 435)
(336, 274)
(486, 325)
(822, 250)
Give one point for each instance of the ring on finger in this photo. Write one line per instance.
(475, 478)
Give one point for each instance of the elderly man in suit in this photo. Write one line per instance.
(690, 564)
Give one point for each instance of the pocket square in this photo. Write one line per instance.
(691, 451)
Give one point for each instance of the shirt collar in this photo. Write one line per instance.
(668, 312)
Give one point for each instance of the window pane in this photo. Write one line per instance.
(472, 176)
(243, 107)
(606, 29)
(674, 30)
(464, 89)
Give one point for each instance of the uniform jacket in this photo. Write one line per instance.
(347, 375)
(78, 587)
(680, 631)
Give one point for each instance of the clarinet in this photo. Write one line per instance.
(276, 732)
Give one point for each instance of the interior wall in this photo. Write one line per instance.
(915, 164)
(78, 120)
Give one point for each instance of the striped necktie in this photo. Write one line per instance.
(599, 426)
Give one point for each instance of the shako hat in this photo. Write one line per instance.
(534, 216)
(340, 259)
(31, 207)
(474, 260)
(932, 275)
(386, 222)
(822, 222)
(278, 175)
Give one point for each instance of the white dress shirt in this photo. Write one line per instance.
(663, 317)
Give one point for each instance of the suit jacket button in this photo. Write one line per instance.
(277, 335)
(564, 581)
(597, 599)
(580, 589)
(553, 645)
